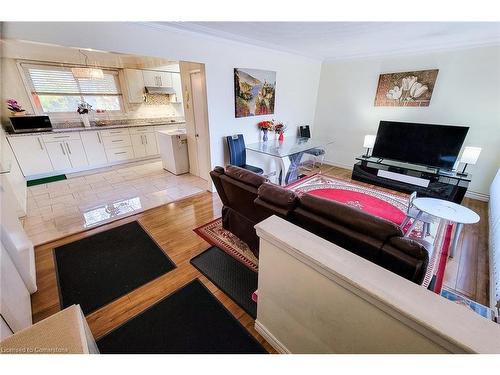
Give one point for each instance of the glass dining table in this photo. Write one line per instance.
(287, 154)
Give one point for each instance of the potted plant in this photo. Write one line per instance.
(280, 128)
(265, 126)
(83, 109)
(15, 108)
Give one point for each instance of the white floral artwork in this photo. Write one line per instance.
(406, 89)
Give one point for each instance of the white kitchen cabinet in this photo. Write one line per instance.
(157, 78)
(177, 85)
(31, 154)
(120, 154)
(66, 151)
(144, 144)
(138, 144)
(94, 147)
(76, 154)
(135, 85)
(58, 155)
(151, 144)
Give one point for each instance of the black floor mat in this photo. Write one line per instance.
(96, 270)
(230, 276)
(191, 320)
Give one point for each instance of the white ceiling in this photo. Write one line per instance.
(344, 40)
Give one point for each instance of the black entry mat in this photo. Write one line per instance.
(191, 320)
(230, 276)
(96, 270)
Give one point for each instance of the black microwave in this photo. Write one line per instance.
(28, 124)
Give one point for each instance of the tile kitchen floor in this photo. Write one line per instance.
(61, 208)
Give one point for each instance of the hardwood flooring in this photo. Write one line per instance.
(171, 226)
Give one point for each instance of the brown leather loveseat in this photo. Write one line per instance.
(249, 198)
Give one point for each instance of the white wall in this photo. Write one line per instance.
(351, 305)
(467, 92)
(297, 77)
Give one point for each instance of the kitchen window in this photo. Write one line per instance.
(54, 89)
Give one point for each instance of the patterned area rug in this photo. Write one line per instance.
(215, 235)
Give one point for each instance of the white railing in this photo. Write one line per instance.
(315, 297)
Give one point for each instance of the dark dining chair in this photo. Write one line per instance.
(238, 155)
(317, 153)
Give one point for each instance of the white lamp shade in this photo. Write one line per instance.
(369, 141)
(470, 155)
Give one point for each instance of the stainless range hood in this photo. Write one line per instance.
(160, 90)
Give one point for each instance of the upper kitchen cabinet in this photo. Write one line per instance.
(135, 85)
(157, 79)
(177, 85)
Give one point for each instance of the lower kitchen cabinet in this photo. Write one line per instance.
(144, 144)
(58, 155)
(94, 148)
(120, 154)
(68, 154)
(31, 154)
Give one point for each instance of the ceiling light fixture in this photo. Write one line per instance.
(87, 72)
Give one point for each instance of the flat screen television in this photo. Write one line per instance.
(424, 144)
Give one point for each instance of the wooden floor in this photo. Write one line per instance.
(171, 226)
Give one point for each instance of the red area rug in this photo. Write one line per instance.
(389, 206)
(215, 235)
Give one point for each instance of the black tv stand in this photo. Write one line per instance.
(407, 178)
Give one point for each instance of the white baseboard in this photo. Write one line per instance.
(273, 341)
(479, 196)
(340, 165)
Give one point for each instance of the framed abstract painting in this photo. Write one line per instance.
(406, 89)
(254, 92)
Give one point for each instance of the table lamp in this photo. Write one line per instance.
(469, 156)
(368, 144)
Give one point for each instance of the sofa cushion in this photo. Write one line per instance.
(275, 200)
(245, 176)
(277, 195)
(350, 217)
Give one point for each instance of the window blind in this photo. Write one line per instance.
(60, 80)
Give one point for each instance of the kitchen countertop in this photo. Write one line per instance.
(100, 127)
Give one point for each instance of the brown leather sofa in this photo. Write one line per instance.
(249, 198)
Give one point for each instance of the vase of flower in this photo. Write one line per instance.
(279, 128)
(265, 126)
(15, 108)
(85, 120)
(264, 135)
(83, 109)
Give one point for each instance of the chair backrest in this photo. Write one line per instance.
(410, 201)
(304, 131)
(237, 153)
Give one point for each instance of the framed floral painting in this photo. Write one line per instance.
(406, 89)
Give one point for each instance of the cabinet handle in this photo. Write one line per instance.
(40, 143)
(62, 148)
(117, 140)
(122, 152)
(142, 139)
(146, 139)
(67, 146)
(99, 137)
(116, 132)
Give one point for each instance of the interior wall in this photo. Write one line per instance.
(467, 92)
(297, 76)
